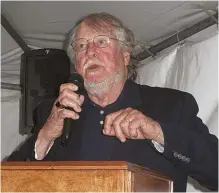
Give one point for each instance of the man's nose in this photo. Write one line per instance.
(91, 50)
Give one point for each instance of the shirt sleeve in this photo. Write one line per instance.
(36, 157)
(158, 146)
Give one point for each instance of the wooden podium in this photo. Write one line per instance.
(92, 176)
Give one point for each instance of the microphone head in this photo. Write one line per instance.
(78, 80)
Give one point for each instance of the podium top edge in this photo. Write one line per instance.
(78, 165)
(67, 164)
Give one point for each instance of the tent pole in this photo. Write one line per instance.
(14, 34)
(207, 12)
(177, 37)
(10, 86)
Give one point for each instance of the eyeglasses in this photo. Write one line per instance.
(100, 41)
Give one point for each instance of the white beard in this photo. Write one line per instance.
(104, 87)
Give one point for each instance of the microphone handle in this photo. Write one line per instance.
(67, 127)
(77, 79)
(66, 131)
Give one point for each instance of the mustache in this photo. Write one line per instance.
(92, 62)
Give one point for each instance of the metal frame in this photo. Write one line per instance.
(207, 12)
(177, 37)
(14, 34)
(22, 45)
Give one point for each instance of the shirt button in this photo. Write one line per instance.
(101, 112)
(101, 122)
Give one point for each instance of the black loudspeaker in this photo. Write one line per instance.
(42, 73)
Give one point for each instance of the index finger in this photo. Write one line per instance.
(69, 86)
(109, 122)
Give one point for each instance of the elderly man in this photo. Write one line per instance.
(117, 119)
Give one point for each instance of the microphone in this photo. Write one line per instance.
(76, 79)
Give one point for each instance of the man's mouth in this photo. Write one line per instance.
(93, 67)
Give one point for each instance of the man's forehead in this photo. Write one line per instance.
(87, 30)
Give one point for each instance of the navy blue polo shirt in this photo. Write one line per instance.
(95, 145)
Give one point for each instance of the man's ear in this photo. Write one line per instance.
(126, 57)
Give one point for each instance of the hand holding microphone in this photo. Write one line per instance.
(77, 80)
(65, 110)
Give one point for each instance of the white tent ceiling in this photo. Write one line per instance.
(149, 20)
